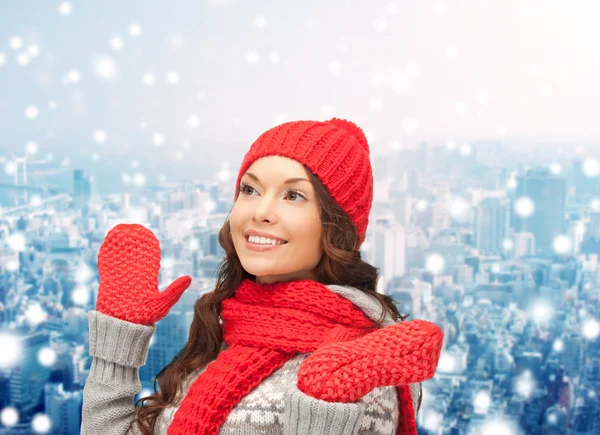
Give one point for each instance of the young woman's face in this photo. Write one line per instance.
(269, 203)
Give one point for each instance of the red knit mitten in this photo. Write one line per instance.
(404, 353)
(128, 265)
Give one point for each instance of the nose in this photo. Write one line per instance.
(265, 209)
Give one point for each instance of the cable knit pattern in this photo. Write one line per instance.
(336, 151)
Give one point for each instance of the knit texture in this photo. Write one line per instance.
(336, 151)
(128, 266)
(266, 325)
(274, 407)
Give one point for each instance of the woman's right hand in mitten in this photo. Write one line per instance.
(128, 265)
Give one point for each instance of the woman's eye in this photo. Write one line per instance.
(290, 194)
(296, 193)
(244, 189)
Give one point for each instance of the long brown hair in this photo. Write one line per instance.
(341, 264)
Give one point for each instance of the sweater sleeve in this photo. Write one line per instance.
(119, 348)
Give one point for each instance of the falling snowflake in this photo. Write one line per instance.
(46, 356)
(73, 76)
(31, 112)
(193, 120)
(135, 30)
(260, 21)
(9, 416)
(158, 139)
(41, 423)
(562, 244)
(80, 295)
(556, 168)
(381, 24)
(525, 385)
(335, 67)
(23, 59)
(252, 58)
(17, 242)
(591, 329)
(105, 67)
(508, 244)
(591, 167)
(11, 350)
(172, 77)
(558, 345)
(33, 50)
(482, 402)
(541, 312)
(435, 263)
(31, 148)
(65, 9)
(100, 136)
(524, 207)
(139, 179)
(116, 43)
(466, 149)
(409, 125)
(35, 314)
(16, 42)
(148, 79)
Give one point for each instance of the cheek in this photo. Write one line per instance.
(310, 233)
(236, 217)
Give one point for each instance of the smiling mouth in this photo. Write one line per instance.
(279, 243)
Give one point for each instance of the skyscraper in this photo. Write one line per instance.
(81, 188)
(388, 250)
(491, 225)
(547, 191)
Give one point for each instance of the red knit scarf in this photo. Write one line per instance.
(265, 325)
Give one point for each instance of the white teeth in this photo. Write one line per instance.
(264, 241)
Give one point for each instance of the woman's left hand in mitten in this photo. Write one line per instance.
(404, 353)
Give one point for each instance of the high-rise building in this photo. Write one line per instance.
(388, 250)
(492, 225)
(547, 192)
(26, 380)
(584, 185)
(170, 337)
(82, 190)
(524, 245)
(63, 408)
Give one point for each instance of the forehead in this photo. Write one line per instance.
(276, 168)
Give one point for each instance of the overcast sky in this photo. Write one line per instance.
(181, 75)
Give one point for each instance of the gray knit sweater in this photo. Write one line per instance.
(275, 407)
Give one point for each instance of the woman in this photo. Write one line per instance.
(294, 339)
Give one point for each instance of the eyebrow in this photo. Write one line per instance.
(290, 181)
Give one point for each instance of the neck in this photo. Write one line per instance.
(295, 276)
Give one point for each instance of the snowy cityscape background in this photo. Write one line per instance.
(483, 126)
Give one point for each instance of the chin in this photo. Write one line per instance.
(261, 268)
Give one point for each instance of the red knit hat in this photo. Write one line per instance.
(336, 151)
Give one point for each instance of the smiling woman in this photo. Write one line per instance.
(294, 339)
(277, 203)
